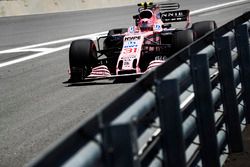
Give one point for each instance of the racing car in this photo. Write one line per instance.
(133, 51)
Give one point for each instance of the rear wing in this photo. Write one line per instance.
(168, 12)
(169, 6)
(162, 6)
(175, 16)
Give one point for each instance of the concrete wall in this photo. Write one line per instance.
(27, 7)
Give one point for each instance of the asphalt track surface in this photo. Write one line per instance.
(35, 107)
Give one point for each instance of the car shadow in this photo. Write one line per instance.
(84, 83)
(87, 84)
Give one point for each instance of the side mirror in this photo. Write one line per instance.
(136, 18)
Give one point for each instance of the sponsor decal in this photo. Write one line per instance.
(126, 63)
(180, 15)
(128, 58)
(131, 29)
(131, 44)
(132, 38)
(173, 14)
(157, 27)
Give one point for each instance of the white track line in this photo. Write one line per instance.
(91, 36)
(27, 50)
(44, 51)
(33, 56)
(224, 5)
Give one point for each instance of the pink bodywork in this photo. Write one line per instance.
(140, 40)
(129, 58)
(133, 41)
(131, 52)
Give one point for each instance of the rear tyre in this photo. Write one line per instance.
(82, 57)
(203, 27)
(182, 39)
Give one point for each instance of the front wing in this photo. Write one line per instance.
(115, 77)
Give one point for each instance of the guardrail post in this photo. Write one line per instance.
(168, 106)
(120, 142)
(205, 111)
(229, 100)
(242, 43)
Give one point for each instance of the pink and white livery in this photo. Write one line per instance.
(132, 51)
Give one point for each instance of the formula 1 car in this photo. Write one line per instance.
(133, 51)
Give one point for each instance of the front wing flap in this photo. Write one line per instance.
(90, 79)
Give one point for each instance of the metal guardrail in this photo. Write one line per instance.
(186, 112)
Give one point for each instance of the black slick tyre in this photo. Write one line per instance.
(82, 57)
(182, 39)
(203, 27)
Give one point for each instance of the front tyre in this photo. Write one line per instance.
(82, 57)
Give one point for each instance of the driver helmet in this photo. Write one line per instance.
(145, 25)
(146, 21)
